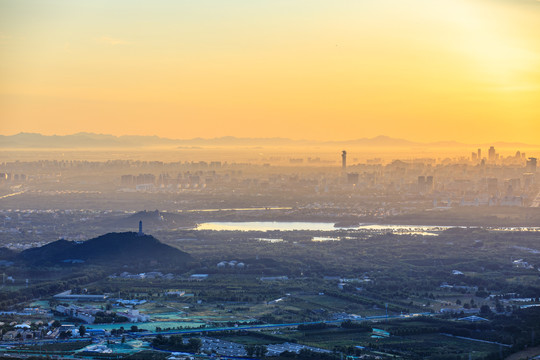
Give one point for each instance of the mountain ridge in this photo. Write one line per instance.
(89, 140)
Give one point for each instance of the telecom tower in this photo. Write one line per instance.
(140, 229)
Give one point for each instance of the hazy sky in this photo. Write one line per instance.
(424, 70)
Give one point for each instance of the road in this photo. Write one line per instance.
(477, 340)
(13, 194)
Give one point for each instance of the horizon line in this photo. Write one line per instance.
(380, 136)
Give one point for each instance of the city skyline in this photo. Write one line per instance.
(455, 70)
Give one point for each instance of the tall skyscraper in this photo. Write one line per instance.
(492, 186)
(492, 154)
(429, 183)
(479, 154)
(421, 184)
(531, 165)
(344, 160)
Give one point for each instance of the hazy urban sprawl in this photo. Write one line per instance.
(319, 254)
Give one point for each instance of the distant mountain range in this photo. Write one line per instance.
(113, 248)
(99, 141)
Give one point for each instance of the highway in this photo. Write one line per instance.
(13, 194)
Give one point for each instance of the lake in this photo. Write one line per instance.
(311, 226)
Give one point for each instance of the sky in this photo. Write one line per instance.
(423, 70)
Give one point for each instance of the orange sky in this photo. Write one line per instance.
(416, 69)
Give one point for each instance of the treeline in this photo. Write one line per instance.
(176, 343)
(256, 350)
(102, 317)
(306, 354)
(365, 301)
(9, 298)
(361, 326)
(347, 324)
(219, 289)
(257, 334)
(316, 326)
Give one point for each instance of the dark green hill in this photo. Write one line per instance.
(112, 248)
(7, 254)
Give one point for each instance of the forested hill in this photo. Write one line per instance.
(112, 248)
